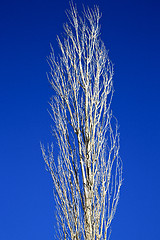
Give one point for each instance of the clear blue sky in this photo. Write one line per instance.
(131, 31)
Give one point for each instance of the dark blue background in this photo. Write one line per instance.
(131, 31)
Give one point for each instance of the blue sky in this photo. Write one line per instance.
(131, 32)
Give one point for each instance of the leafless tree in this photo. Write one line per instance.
(87, 173)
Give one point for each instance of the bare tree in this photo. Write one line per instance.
(87, 174)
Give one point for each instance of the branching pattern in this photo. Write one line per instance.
(87, 174)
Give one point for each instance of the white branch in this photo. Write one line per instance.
(87, 174)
